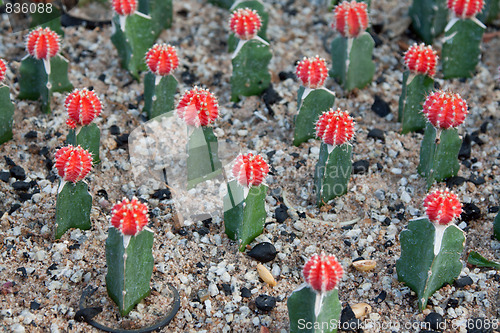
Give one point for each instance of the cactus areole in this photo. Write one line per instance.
(312, 72)
(421, 59)
(465, 8)
(73, 163)
(83, 106)
(125, 7)
(42, 43)
(322, 272)
(3, 69)
(351, 18)
(250, 170)
(162, 59)
(198, 107)
(245, 23)
(335, 127)
(442, 207)
(445, 110)
(130, 216)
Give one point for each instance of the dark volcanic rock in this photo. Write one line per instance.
(263, 252)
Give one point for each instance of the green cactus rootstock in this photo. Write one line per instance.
(352, 65)
(429, 18)
(73, 206)
(232, 41)
(50, 20)
(6, 114)
(419, 268)
(332, 173)
(439, 158)
(244, 217)
(203, 161)
(310, 108)
(478, 260)
(226, 4)
(410, 102)
(496, 227)
(129, 269)
(159, 98)
(161, 13)
(88, 137)
(301, 309)
(490, 11)
(461, 49)
(133, 42)
(250, 74)
(36, 84)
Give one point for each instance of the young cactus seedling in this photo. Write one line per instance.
(6, 107)
(83, 106)
(444, 111)
(74, 201)
(258, 6)
(244, 204)
(199, 108)
(43, 71)
(316, 302)
(352, 62)
(160, 85)
(312, 98)
(429, 18)
(421, 61)
(129, 255)
(251, 57)
(431, 247)
(463, 34)
(133, 35)
(335, 128)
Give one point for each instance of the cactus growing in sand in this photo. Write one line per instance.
(258, 6)
(352, 63)
(428, 18)
(6, 107)
(316, 302)
(43, 71)
(244, 204)
(418, 81)
(312, 98)
(74, 201)
(129, 255)
(431, 247)
(444, 111)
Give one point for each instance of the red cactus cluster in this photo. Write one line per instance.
(351, 18)
(73, 163)
(442, 207)
(83, 106)
(3, 69)
(125, 7)
(130, 216)
(42, 43)
(445, 109)
(335, 127)
(162, 59)
(198, 107)
(421, 59)
(250, 170)
(465, 8)
(245, 23)
(323, 272)
(312, 72)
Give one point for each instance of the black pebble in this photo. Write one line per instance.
(31, 135)
(75, 246)
(162, 194)
(18, 172)
(21, 186)
(4, 176)
(454, 181)
(484, 127)
(114, 130)
(263, 252)
(23, 196)
(23, 272)
(465, 149)
(381, 297)
(203, 231)
(475, 137)
(479, 325)
(9, 161)
(286, 75)
(102, 77)
(452, 303)
(34, 305)
(245, 292)
(281, 213)
(493, 209)
(377, 134)
(380, 107)
(470, 212)
(265, 302)
(103, 193)
(122, 140)
(14, 208)
(360, 167)
(435, 321)
(347, 314)
(188, 77)
(227, 289)
(463, 281)
(477, 180)
(182, 232)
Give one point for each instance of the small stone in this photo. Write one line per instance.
(434, 320)
(18, 172)
(463, 281)
(31, 135)
(245, 292)
(470, 212)
(361, 310)
(477, 180)
(377, 134)
(263, 252)
(465, 149)
(265, 302)
(40, 255)
(242, 132)
(396, 171)
(380, 107)
(114, 130)
(380, 194)
(17, 328)
(405, 197)
(381, 297)
(4, 176)
(454, 181)
(21, 186)
(281, 213)
(34, 305)
(360, 167)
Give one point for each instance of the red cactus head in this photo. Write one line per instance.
(198, 107)
(42, 43)
(245, 23)
(312, 72)
(322, 272)
(162, 59)
(442, 207)
(465, 8)
(351, 18)
(130, 216)
(125, 7)
(421, 59)
(335, 127)
(444, 109)
(82, 106)
(250, 170)
(3, 69)
(73, 163)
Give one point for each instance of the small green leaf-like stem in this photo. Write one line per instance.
(88, 137)
(410, 102)
(429, 18)
(478, 260)
(496, 227)
(73, 206)
(6, 114)
(159, 98)
(161, 12)
(203, 160)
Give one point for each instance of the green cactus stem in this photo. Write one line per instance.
(461, 48)
(415, 88)
(73, 206)
(232, 42)
(439, 154)
(490, 11)
(311, 104)
(226, 4)
(320, 311)
(478, 260)
(159, 94)
(430, 257)
(133, 36)
(332, 172)
(352, 63)
(88, 137)
(161, 12)
(429, 18)
(250, 74)
(6, 114)
(36, 84)
(130, 267)
(203, 161)
(496, 227)
(50, 20)
(244, 214)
